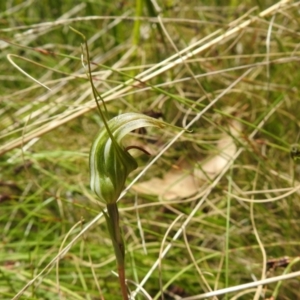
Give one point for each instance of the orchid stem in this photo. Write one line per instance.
(113, 224)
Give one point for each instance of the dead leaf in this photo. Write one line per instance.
(176, 183)
(185, 180)
(227, 149)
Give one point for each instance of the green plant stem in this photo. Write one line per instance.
(228, 233)
(112, 219)
(137, 22)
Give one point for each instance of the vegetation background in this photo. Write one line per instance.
(236, 222)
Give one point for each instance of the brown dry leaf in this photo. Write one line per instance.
(185, 181)
(227, 149)
(176, 183)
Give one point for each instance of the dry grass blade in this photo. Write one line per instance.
(198, 213)
(143, 77)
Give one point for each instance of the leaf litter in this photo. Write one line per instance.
(185, 179)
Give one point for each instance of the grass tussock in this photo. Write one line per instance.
(225, 72)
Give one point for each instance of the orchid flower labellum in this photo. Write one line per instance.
(110, 162)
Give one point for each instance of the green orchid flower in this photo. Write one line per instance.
(110, 165)
(110, 162)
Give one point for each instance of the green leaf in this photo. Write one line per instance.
(110, 163)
